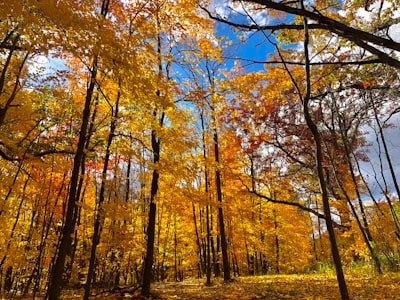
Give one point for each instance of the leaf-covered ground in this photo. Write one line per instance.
(271, 287)
(283, 287)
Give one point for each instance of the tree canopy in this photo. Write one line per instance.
(136, 144)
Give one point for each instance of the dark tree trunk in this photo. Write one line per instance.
(326, 207)
(64, 248)
(364, 227)
(206, 183)
(391, 168)
(99, 210)
(216, 249)
(277, 254)
(208, 270)
(148, 262)
(77, 214)
(6, 65)
(224, 244)
(320, 171)
(200, 252)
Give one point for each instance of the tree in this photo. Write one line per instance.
(64, 248)
(164, 15)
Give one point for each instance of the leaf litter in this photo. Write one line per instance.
(274, 287)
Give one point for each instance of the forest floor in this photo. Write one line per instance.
(271, 287)
(274, 287)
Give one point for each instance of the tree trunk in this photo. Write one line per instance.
(276, 244)
(99, 210)
(326, 207)
(216, 249)
(200, 252)
(16, 85)
(224, 244)
(148, 262)
(364, 228)
(391, 168)
(208, 271)
(320, 171)
(64, 249)
(77, 214)
(206, 183)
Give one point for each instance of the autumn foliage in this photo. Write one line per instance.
(135, 147)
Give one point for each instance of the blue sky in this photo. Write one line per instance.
(246, 45)
(252, 46)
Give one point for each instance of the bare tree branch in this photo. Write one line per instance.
(299, 63)
(361, 38)
(284, 202)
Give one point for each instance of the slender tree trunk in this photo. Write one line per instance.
(99, 209)
(326, 207)
(80, 191)
(277, 249)
(314, 239)
(15, 223)
(203, 240)
(320, 171)
(348, 151)
(165, 246)
(46, 225)
(148, 262)
(156, 145)
(8, 195)
(391, 168)
(386, 150)
(374, 257)
(175, 254)
(128, 181)
(364, 227)
(208, 271)
(224, 244)
(249, 264)
(200, 252)
(6, 65)
(64, 248)
(206, 183)
(148, 265)
(217, 265)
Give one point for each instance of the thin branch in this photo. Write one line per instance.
(6, 156)
(332, 25)
(48, 152)
(284, 202)
(359, 37)
(299, 63)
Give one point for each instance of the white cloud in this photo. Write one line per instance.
(394, 32)
(377, 169)
(229, 9)
(261, 18)
(221, 8)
